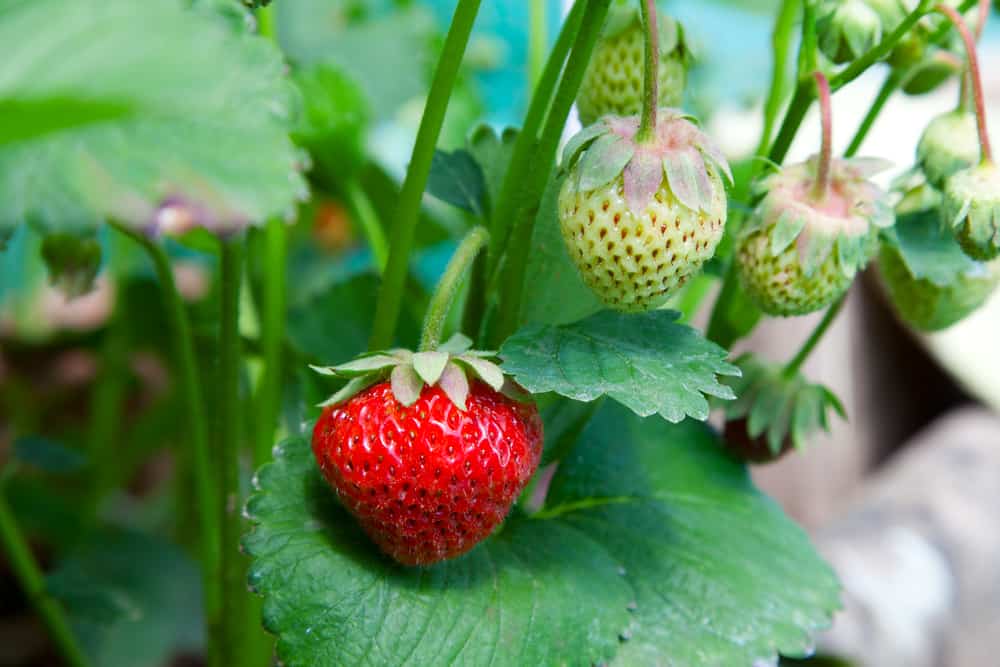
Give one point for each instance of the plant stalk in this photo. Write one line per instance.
(978, 98)
(448, 286)
(408, 207)
(650, 83)
(32, 582)
(273, 298)
(889, 86)
(367, 218)
(228, 446)
(527, 140)
(831, 314)
(194, 404)
(537, 40)
(543, 159)
(822, 185)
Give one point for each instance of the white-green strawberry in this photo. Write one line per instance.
(612, 83)
(797, 253)
(949, 144)
(972, 207)
(641, 217)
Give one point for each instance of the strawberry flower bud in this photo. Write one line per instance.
(972, 207)
(847, 28)
(949, 144)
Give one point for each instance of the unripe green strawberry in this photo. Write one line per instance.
(972, 207)
(929, 307)
(949, 144)
(798, 254)
(847, 29)
(640, 218)
(612, 84)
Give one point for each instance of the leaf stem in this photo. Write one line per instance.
(197, 424)
(407, 214)
(781, 40)
(537, 40)
(892, 82)
(822, 185)
(519, 169)
(979, 100)
(228, 446)
(448, 286)
(273, 298)
(32, 582)
(831, 314)
(542, 162)
(371, 227)
(650, 83)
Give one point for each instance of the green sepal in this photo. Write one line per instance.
(779, 407)
(73, 260)
(604, 161)
(786, 230)
(582, 140)
(409, 372)
(818, 247)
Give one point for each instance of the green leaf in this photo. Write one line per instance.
(493, 154)
(928, 249)
(458, 179)
(652, 545)
(333, 119)
(106, 114)
(554, 293)
(129, 597)
(47, 455)
(647, 362)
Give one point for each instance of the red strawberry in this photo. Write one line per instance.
(428, 481)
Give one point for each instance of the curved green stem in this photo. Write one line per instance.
(650, 83)
(542, 161)
(889, 86)
(831, 314)
(408, 207)
(524, 146)
(201, 461)
(228, 446)
(448, 286)
(975, 78)
(364, 213)
(32, 582)
(781, 41)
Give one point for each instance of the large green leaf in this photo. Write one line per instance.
(554, 293)
(653, 548)
(647, 362)
(928, 248)
(107, 110)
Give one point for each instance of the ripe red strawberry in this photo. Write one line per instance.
(428, 478)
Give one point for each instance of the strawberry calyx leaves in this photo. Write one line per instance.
(778, 406)
(678, 152)
(449, 366)
(842, 223)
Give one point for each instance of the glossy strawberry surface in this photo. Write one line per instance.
(430, 481)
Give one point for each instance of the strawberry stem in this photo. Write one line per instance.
(650, 88)
(447, 287)
(822, 184)
(974, 76)
(390, 297)
(800, 358)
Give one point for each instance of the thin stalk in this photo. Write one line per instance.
(537, 39)
(527, 139)
(650, 83)
(273, 300)
(228, 446)
(831, 314)
(889, 86)
(448, 286)
(197, 424)
(542, 161)
(979, 100)
(809, 48)
(408, 207)
(367, 218)
(781, 41)
(32, 582)
(822, 185)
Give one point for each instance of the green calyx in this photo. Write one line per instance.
(448, 366)
(779, 406)
(847, 29)
(972, 208)
(678, 152)
(949, 144)
(844, 223)
(73, 261)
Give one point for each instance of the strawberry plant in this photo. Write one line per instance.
(442, 404)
